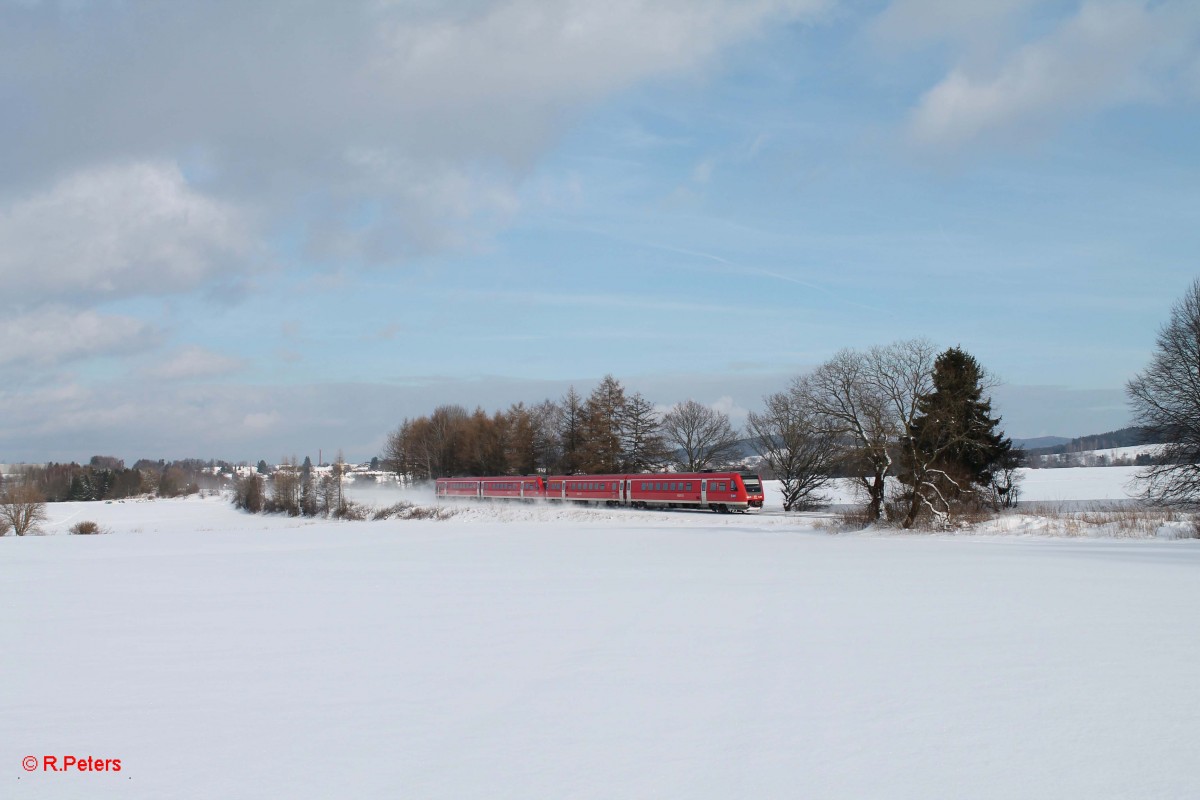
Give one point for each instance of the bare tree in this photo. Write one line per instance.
(902, 373)
(795, 446)
(642, 445)
(850, 407)
(285, 488)
(703, 437)
(869, 400)
(338, 474)
(546, 417)
(1166, 403)
(22, 508)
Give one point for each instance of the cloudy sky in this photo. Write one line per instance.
(248, 230)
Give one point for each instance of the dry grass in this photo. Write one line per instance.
(1071, 519)
(404, 510)
(1098, 520)
(1115, 521)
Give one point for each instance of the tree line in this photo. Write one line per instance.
(899, 411)
(296, 490)
(609, 431)
(107, 478)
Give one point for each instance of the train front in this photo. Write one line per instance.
(754, 490)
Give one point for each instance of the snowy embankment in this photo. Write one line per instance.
(592, 655)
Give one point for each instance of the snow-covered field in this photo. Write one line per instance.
(573, 653)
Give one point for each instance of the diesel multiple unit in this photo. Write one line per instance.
(718, 491)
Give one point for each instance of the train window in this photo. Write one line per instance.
(688, 486)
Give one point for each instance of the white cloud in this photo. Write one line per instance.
(55, 335)
(1109, 53)
(192, 363)
(379, 128)
(534, 53)
(117, 231)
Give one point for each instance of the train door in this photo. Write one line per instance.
(704, 492)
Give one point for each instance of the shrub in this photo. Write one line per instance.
(87, 528)
(351, 511)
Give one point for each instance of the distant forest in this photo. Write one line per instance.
(1070, 453)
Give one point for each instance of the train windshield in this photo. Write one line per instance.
(752, 483)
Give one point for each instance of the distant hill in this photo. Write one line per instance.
(1040, 442)
(1124, 437)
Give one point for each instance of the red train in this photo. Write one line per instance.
(719, 491)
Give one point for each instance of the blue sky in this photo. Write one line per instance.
(248, 231)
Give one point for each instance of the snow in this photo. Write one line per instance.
(548, 652)
(1079, 483)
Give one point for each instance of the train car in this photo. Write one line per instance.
(458, 487)
(717, 491)
(504, 488)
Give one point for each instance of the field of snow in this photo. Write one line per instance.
(551, 653)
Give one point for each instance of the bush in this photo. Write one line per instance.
(249, 495)
(87, 528)
(403, 510)
(351, 511)
(22, 507)
(398, 510)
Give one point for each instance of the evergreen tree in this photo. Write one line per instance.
(308, 491)
(602, 415)
(521, 442)
(954, 445)
(570, 433)
(81, 488)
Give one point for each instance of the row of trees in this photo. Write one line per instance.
(107, 478)
(610, 431)
(901, 411)
(296, 490)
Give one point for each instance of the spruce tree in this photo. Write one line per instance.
(954, 444)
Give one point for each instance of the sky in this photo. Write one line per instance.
(255, 230)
